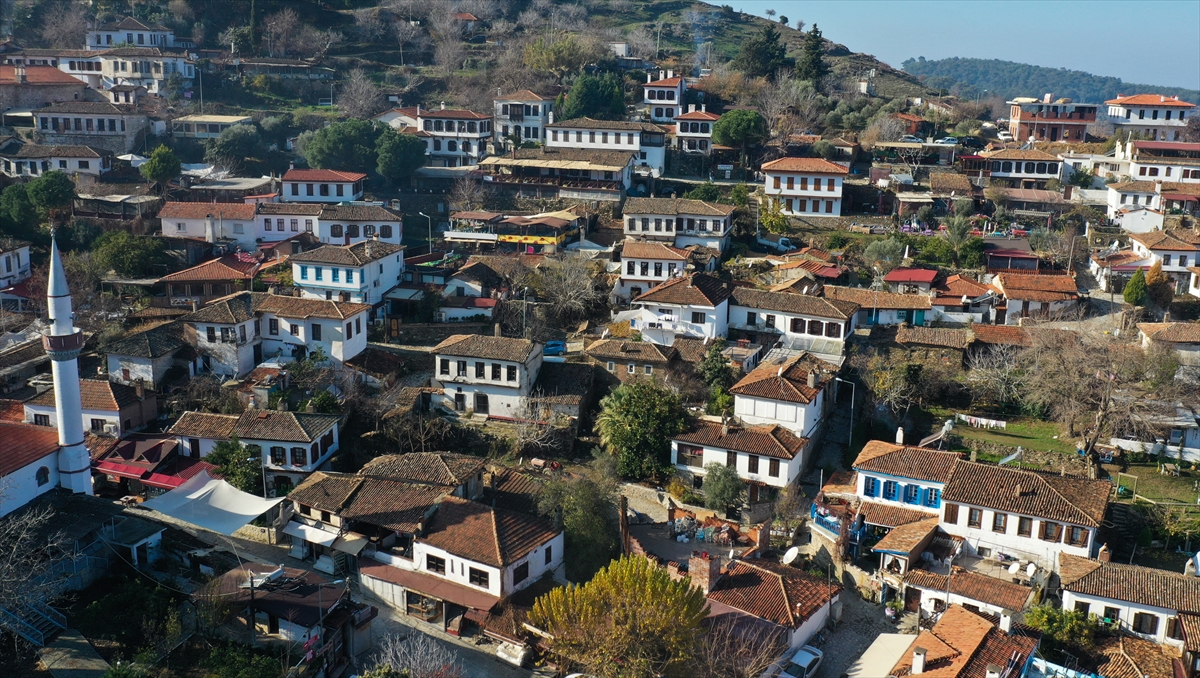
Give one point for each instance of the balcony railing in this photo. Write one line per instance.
(833, 525)
(596, 184)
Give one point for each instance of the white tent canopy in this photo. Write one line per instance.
(212, 504)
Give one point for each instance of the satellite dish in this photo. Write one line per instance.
(791, 555)
(1014, 568)
(1030, 569)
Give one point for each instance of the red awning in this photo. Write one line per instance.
(112, 468)
(1180, 196)
(163, 481)
(429, 585)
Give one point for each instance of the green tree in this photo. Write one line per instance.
(162, 166)
(740, 195)
(52, 193)
(326, 402)
(234, 146)
(1064, 631)
(707, 192)
(722, 487)
(240, 465)
(824, 149)
(771, 217)
(812, 66)
(18, 216)
(124, 670)
(630, 620)
(740, 128)
(344, 145)
(884, 254)
(129, 255)
(591, 528)
(714, 369)
(1159, 288)
(636, 423)
(399, 155)
(1135, 289)
(239, 661)
(957, 235)
(595, 96)
(762, 54)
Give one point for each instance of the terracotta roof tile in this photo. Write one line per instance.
(1037, 287)
(480, 346)
(358, 254)
(235, 308)
(1174, 333)
(326, 491)
(153, 343)
(1130, 583)
(39, 75)
(787, 379)
(1176, 240)
(909, 537)
(963, 643)
(392, 504)
(637, 351)
(297, 427)
(23, 444)
(1126, 656)
(591, 123)
(359, 213)
(889, 515)
(958, 286)
(807, 165)
(635, 249)
(699, 115)
(676, 206)
(1191, 631)
(377, 362)
(200, 210)
(943, 337)
(289, 208)
(697, 289)
(945, 182)
(867, 298)
(972, 585)
(1008, 335)
(920, 463)
(768, 441)
(778, 593)
(1078, 501)
(299, 307)
(329, 175)
(429, 468)
(487, 535)
(97, 394)
(1149, 100)
(523, 95)
(1020, 154)
(920, 275)
(228, 267)
(691, 351)
(801, 304)
(205, 425)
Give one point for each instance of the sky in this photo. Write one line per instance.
(1154, 42)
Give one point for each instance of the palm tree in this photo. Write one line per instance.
(958, 234)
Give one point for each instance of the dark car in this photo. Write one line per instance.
(971, 142)
(554, 348)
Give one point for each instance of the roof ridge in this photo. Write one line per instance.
(496, 534)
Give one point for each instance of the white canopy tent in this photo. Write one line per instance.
(212, 504)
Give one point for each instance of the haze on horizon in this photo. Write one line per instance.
(1072, 34)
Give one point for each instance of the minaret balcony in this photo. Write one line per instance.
(70, 342)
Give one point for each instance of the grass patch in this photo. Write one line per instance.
(1030, 434)
(1157, 487)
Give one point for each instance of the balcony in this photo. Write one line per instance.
(564, 182)
(669, 324)
(829, 523)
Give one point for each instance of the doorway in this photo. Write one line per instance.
(460, 401)
(481, 403)
(912, 599)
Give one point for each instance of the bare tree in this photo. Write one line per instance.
(730, 649)
(418, 656)
(28, 549)
(448, 55)
(446, 27)
(469, 195)
(884, 129)
(641, 42)
(571, 287)
(360, 98)
(281, 30)
(536, 425)
(996, 376)
(66, 26)
(369, 25)
(316, 43)
(785, 95)
(408, 35)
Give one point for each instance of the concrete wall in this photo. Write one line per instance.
(20, 486)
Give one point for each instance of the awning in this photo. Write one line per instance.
(350, 543)
(112, 468)
(163, 481)
(428, 585)
(310, 534)
(211, 504)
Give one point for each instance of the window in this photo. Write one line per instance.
(98, 424)
(611, 366)
(334, 275)
(645, 268)
(477, 577)
(932, 495)
(299, 456)
(771, 321)
(278, 456)
(773, 468)
(335, 231)
(1111, 614)
(1051, 531)
(1025, 527)
(912, 494)
(521, 572)
(273, 326)
(435, 564)
(1077, 536)
(890, 489)
(752, 463)
(511, 373)
(870, 487)
(647, 370)
(211, 335)
(952, 514)
(349, 330)
(1083, 606)
(1145, 623)
(630, 268)
(731, 459)
(445, 366)
(316, 331)
(304, 273)
(295, 330)
(350, 275)
(462, 368)
(631, 368)
(751, 318)
(41, 419)
(698, 317)
(999, 522)
(974, 517)
(480, 370)
(549, 553)
(385, 231)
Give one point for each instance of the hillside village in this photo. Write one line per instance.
(477, 338)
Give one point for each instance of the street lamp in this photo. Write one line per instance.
(853, 392)
(430, 219)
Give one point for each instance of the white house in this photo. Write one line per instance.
(206, 126)
(767, 457)
(32, 160)
(361, 273)
(487, 375)
(958, 586)
(776, 598)
(521, 115)
(28, 464)
(788, 391)
(1155, 116)
(210, 222)
(1145, 601)
(1161, 160)
(1178, 250)
(796, 319)
(322, 185)
(805, 186)
(291, 444)
(900, 475)
(663, 98)
(647, 264)
(351, 224)
(696, 305)
(100, 124)
(1025, 296)
(129, 32)
(454, 138)
(282, 220)
(694, 130)
(115, 409)
(679, 222)
(149, 67)
(878, 307)
(146, 357)
(16, 266)
(1023, 168)
(646, 140)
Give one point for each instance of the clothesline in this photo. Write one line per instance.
(982, 422)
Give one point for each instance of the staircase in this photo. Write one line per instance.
(38, 623)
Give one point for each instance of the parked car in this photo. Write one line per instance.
(973, 143)
(910, 139)
(555, 348)
(1004, 136)
(803, 664)
(947, 141)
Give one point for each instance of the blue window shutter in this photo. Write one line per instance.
(922, 493)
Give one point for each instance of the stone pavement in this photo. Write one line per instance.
(72, 656)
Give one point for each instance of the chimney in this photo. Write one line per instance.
(812, 379)
(558, 518)
(195, 305)
(899, 435)
(292, 165)
(1047, 98)
(139, 389)
(1161, 98)
(253, 403)
(649, 78)
(704, 571)
(662, 75)
(703, 108)
(1006, 621)
(918, 661)
(496, 330)
(691, 108)
(308, 407)
(210, 233)
(993, 671)
(1104, 555)
(670, 74)
(283, 405)
(1017, 491)
(418, 110)
(443, 105)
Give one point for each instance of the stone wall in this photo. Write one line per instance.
(429, 334)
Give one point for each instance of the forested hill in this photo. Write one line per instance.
(1009, 79)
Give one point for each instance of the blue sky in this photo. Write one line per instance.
(1154, 42)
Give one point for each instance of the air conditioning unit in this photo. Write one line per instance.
(378, 322)
(110, 429)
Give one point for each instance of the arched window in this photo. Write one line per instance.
(1041, 168)
(43, 476)
(1029, 167)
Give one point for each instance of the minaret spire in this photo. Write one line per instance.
(63, 343)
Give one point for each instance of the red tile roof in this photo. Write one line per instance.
(228, 267)
(329, 175)
(920, 463)
(665, 82)
(889, 515)
(97, 394)
(22, 445)
(487, 535)
(1175, 240)
(788, 302)
(918, 275)
(957, 286)
(962, 644)
(1173, 333)
(786, 380)
(430, 468)
(698, 115)
(1130, 583)
(808, 165)
(1009, 335)
(634, 249)
(1149, 100)
(523, 95)
(908, 538)
(39, 75)
(480, 346)
(972, 585)
(1078, 501)
(630, 351)
(867, 298)
(1044, 288)
(944, 337)
(768, 441)
(205, 425)
(698, 289)
(201, 210)
(778, 593)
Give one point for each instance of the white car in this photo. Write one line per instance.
(1004, 136)
(910, 139)
(803, 664)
